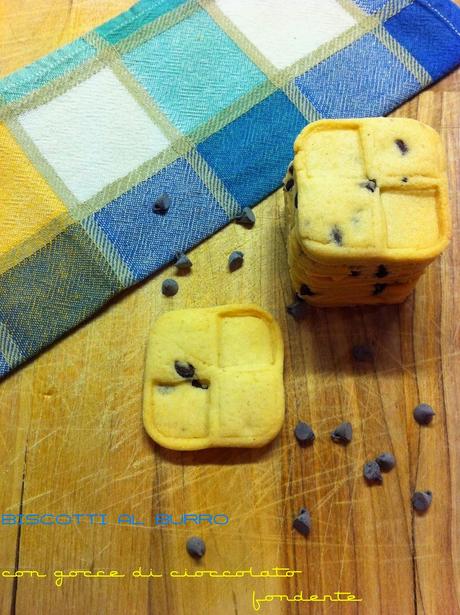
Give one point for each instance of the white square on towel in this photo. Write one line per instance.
(93, 134)
(285, 31)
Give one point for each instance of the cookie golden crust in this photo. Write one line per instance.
(372, 187)
(364, 270)
(367, 209)
(214, 377)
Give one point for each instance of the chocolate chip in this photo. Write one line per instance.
(304, 433)
(291, 169)
(362, 353)
(386, 462)
(372, 473)
(195, 547)
(169, 287)
(370, 185)
(423, 414)
(378, 289)
(354, 273)
(381, 272)
(182, 261)
(235, 260)
(306, 290)
(184, 369)
(421, 500)
(199, 385)
(162, 204)
(404, 179)
(296, 200)
(343, 433)
(336, 235)
(402, 146)
(289, 184)
(246, 217)
(302, 523)
(298, 309)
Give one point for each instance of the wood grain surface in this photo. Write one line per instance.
(72, 439)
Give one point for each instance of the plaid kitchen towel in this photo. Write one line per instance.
(200, 100)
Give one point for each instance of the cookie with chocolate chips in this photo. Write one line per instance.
(358, 182)
(214, 377)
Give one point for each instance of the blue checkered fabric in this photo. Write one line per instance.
(200, 100)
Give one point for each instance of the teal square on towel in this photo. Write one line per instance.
(193, 71)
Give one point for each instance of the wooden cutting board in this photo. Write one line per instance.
(72, 439)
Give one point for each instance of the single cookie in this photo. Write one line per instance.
(339, 216)
(214, 377)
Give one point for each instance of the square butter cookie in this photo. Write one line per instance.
(214, 377)
(368, 209)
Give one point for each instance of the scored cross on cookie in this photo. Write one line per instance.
(368, 209)
(214, 377)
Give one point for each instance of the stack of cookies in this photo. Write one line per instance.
(367, 209)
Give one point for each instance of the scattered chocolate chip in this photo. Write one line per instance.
(370, 185)
(381, 272)
(235, 260)
(336, 235)
(362, 353)
(378, 289)
(402, 146)
(169, 287)
(302, 523)
(354, 273)
(182, 261)
(246, 217)
(291, 169)
(162, 204)
(199, 385)
(421, 500)
(296, 201)
(372, 473)
(423, 414)
(386, 461)
(404, 179)
(184, 369)
(298, 309)
(195, 547)
(343, 433)
(289, 184)
(306, 290)
(304, 433)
